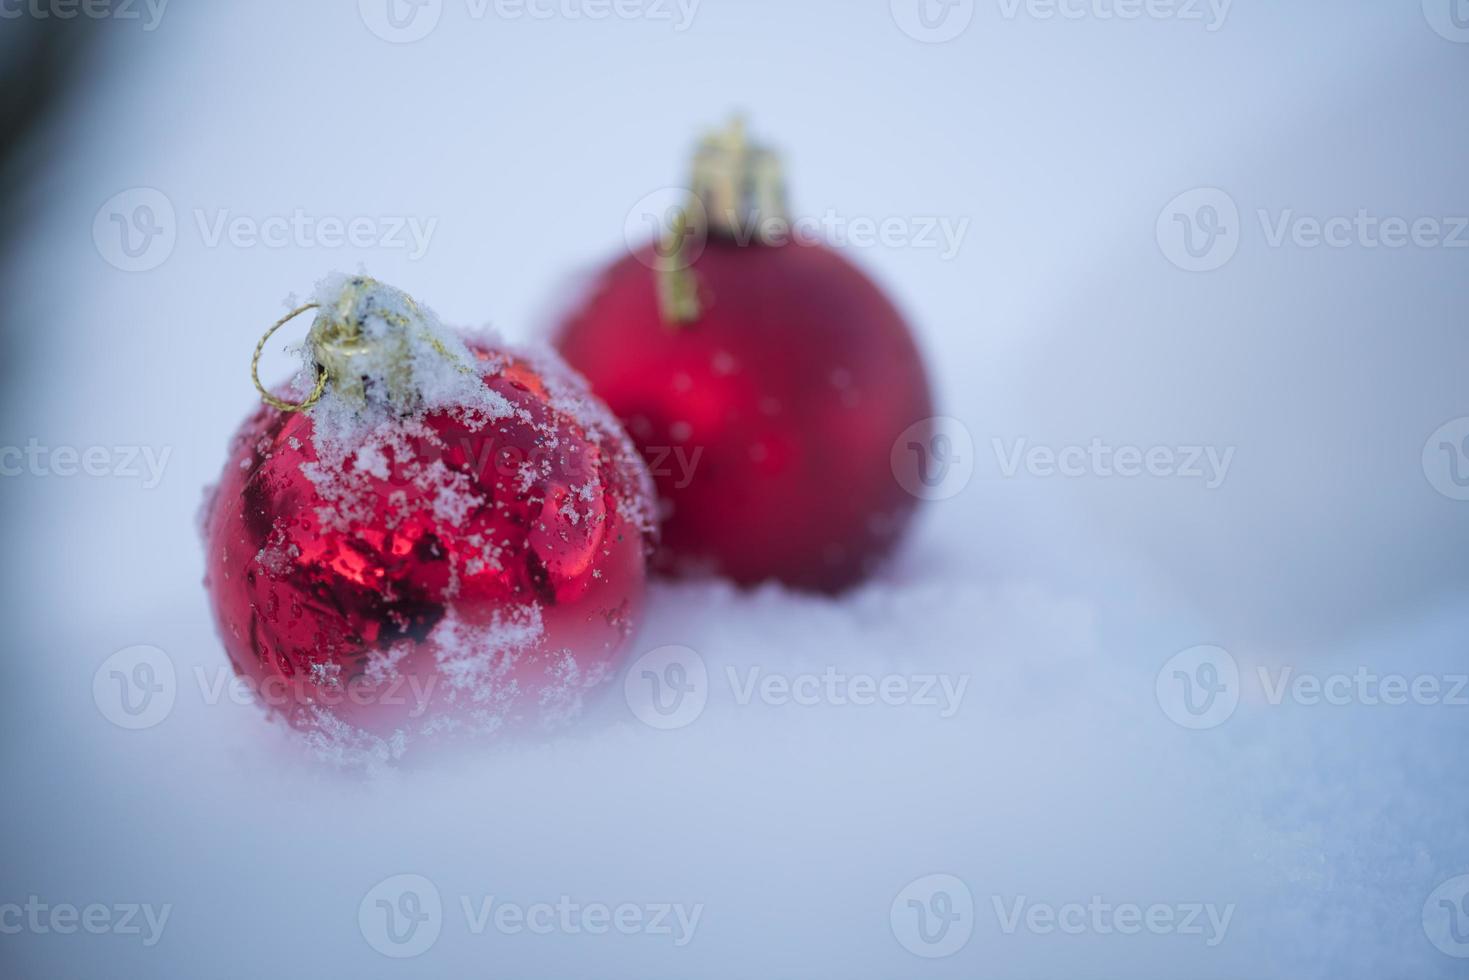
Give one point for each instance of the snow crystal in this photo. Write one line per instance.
(347, 747)
(277, 559)
(475, 660)
(382, 665)
(326, 674)
(373, 461)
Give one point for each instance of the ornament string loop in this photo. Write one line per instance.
(265, 395)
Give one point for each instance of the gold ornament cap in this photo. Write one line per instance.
(370, 343)
(737, 190)
(351, 355)
(738, 185)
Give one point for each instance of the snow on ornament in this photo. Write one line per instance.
(441, 539)
(765, 379)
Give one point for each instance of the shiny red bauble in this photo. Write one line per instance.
(768, 420)
(453, 572)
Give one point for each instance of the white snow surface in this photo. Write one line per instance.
(1324, 830)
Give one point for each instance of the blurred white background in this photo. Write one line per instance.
(523, 143)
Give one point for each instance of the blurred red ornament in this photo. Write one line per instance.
(450, 541)
(764, 379)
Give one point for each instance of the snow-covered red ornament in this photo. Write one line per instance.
(765, 379)
(443, 538)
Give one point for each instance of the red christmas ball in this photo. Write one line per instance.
(765, 384)
(451, 541)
